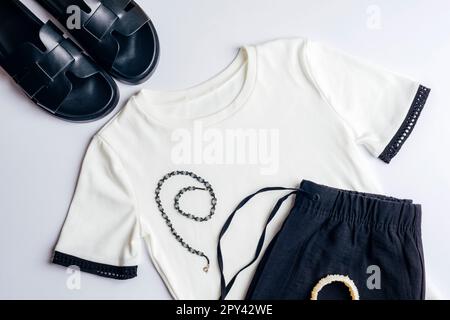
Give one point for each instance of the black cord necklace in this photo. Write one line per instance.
(207, 187)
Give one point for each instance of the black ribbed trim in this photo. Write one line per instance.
(99, 269)
(407, 126)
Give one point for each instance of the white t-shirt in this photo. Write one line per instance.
(283, 111)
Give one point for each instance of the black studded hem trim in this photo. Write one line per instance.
(407, 126)
(99, 269)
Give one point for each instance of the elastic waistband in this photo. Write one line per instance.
(364, 208)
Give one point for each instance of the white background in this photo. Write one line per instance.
(40, 156)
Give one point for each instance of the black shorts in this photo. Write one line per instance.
(373, 240)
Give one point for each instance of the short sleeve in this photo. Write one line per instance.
(380, 107)
(101, 232)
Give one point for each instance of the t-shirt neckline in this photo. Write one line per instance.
(147, 99)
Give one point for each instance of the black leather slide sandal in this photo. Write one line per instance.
(51, 69)
(118, 34)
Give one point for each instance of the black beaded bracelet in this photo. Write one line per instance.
(207, 187)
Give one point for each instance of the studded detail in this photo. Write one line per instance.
(191, 216)
(207, 187)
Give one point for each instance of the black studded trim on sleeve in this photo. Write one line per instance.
(407, 126)
(103, 270)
